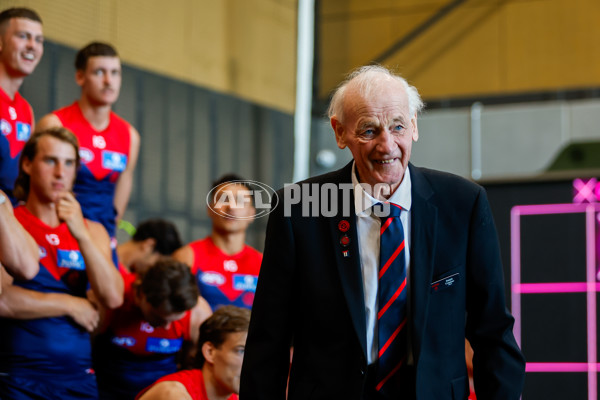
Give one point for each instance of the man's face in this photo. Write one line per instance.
(231, 210)
(227, 362)
(379, 131)
(21, 46)
(52, 170)
(157, 316)
(101, 80)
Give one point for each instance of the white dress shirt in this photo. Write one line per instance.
(368, 226)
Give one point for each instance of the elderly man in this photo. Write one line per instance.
(378, 299)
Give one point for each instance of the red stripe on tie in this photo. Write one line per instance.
(391, 339)
(385, 225)
(391, 260)
(392, 372)
(394, 297)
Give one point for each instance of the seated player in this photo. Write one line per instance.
(226, 268)
(219, 361)
(45, 349)
(140, 341)
(152, 239)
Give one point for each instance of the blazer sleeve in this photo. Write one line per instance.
(498, 364)
(267, 353)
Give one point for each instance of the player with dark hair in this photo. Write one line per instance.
(21, 49)
(109, 145)
(138, 343)
(225, 266)
(153, 238)
(218, 361)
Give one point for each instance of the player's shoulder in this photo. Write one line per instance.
(49, 121)
(167, 390)
(251, 252)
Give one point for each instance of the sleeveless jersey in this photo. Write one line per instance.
(192, 379)
(225, 279)
(104, 157)
(16, 120)
(48, 348)
(132, 354)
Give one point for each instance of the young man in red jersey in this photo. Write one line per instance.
(218, 361)
(109, 145)
(21, 48)
(226, 268)
(44, 341)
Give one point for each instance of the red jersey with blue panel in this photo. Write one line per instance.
(104, 157)
(192, 380)
(48, 355)
(16, 120)
(225, 279)
(132, 354)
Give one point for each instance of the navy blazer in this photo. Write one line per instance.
(310, 294)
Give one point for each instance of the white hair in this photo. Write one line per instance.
(366, 77)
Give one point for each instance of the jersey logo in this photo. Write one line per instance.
(5, 127)
(245, 282)
(43, 252)
(212, 278)
(146, 327)
(230, 266)
(114, 161)
(72, 259)
(163, 346)
(124, 341)
(23, 131)
(12, 112)
(98, 142)
(53, 239)
(87, 156)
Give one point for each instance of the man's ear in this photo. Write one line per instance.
(208, 351)
(137, 290)
(415, 128)
(148, 245)
(27, 166)
(338, 128)
(79, 77)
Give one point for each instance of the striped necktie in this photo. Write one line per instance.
(392, 297)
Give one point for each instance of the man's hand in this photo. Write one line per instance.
(69, 211)
(83, 312)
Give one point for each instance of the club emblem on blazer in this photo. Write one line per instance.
(345, 240)
(343, 226)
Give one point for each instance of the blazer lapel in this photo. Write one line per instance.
(423, 237)
(344, 235)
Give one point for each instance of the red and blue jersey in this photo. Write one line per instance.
(225, 279)
(16, 121)
(192, 380)
(104, 157)
(48, 348)
(132, 354)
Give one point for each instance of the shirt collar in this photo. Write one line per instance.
(364, 201)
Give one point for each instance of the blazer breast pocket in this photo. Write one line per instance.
(446, 282)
